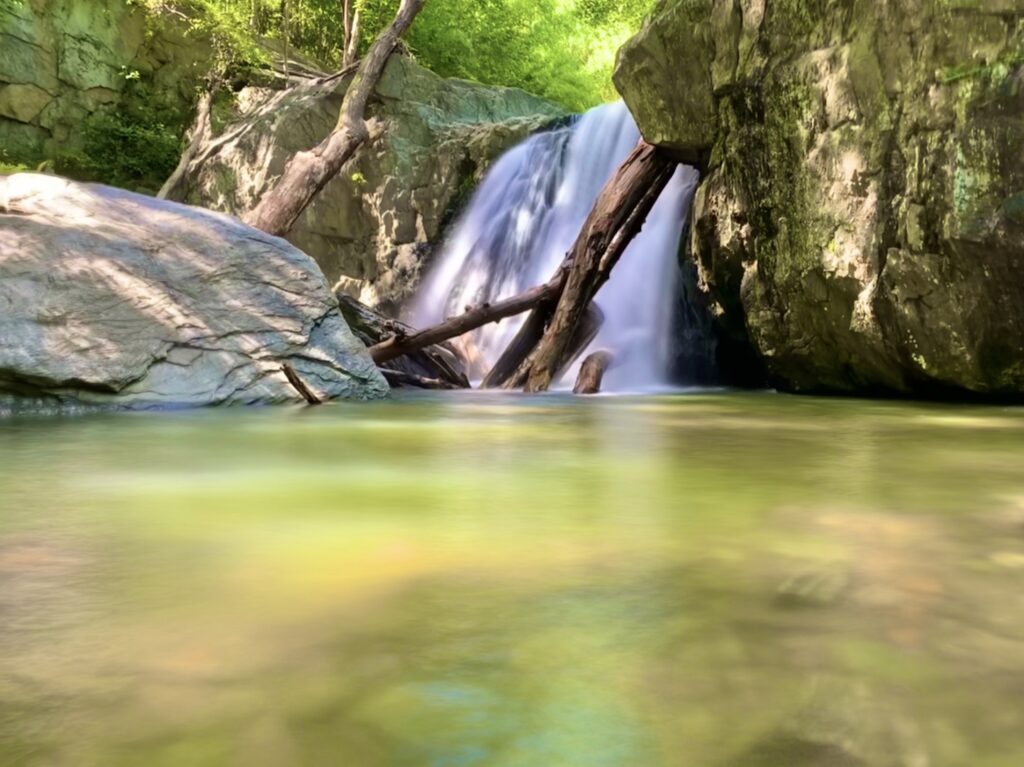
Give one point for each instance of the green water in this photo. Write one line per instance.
(452, 581)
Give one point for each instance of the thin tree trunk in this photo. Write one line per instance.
(300, 385)
(308, 172)
(615, 219)
(171, 190)
(287, 36)
(352, 25)
(346, 21)
(471, 319)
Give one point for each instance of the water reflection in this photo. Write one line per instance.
(503, 580)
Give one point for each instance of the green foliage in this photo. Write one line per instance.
(7, 167)
(561, 49)
(136, 147)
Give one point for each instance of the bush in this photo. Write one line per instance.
(136, 147)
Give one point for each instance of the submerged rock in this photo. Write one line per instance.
(861, 218)
(113, 298)
(372, 227)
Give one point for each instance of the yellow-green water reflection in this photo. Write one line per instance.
(721, 580)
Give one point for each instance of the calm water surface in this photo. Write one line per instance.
(693, 580)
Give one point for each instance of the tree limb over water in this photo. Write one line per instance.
(308, 172)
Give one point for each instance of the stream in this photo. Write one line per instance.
(698, 578)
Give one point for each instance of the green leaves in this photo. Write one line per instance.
(561, 49)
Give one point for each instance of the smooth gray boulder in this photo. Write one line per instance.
(112, 298)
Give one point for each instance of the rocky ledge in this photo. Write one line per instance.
(112, 298)
(373, 227)
(860, 224)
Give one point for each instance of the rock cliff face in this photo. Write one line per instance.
(62, 61)
(372, 228)
(861, 218)
(114, 298)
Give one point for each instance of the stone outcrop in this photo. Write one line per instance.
(117, 299)
(372, 228)
(861, 218)
(62, 61)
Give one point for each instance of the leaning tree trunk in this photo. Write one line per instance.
(617, 216)
(201, 130)
(473, 318)
(308, 172)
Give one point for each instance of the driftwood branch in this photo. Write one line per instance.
(617, 216)
(300, 385)
(402, 378)
(308, 172)
(472, 319)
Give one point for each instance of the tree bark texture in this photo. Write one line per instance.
(308, 172)
(592, 371)
(473, 318)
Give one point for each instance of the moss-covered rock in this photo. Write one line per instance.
(861, 218)
(68, 68)
(372, 227)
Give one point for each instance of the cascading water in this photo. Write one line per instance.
(525, 216)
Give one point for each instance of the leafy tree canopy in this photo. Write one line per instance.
(561, 49)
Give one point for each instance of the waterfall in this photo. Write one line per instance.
(525, 216)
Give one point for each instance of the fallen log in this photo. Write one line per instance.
(401, 378)
(473, 318)
(300, 385)
(592, 373)
(441, 361)
(308, 172)
(522, 344)
(617, 216)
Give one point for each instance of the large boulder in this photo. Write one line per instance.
(112, 298)
(372, 227)
(861, 217)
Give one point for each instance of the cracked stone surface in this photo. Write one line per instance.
(112, 298)
(861, 220)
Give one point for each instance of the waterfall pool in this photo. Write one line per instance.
(495, 579)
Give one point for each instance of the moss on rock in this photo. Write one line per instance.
(872, 156)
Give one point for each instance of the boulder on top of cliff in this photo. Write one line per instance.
(112, 298)
(861, 221)
(372, 227)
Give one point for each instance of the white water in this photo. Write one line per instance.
(525, 216)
